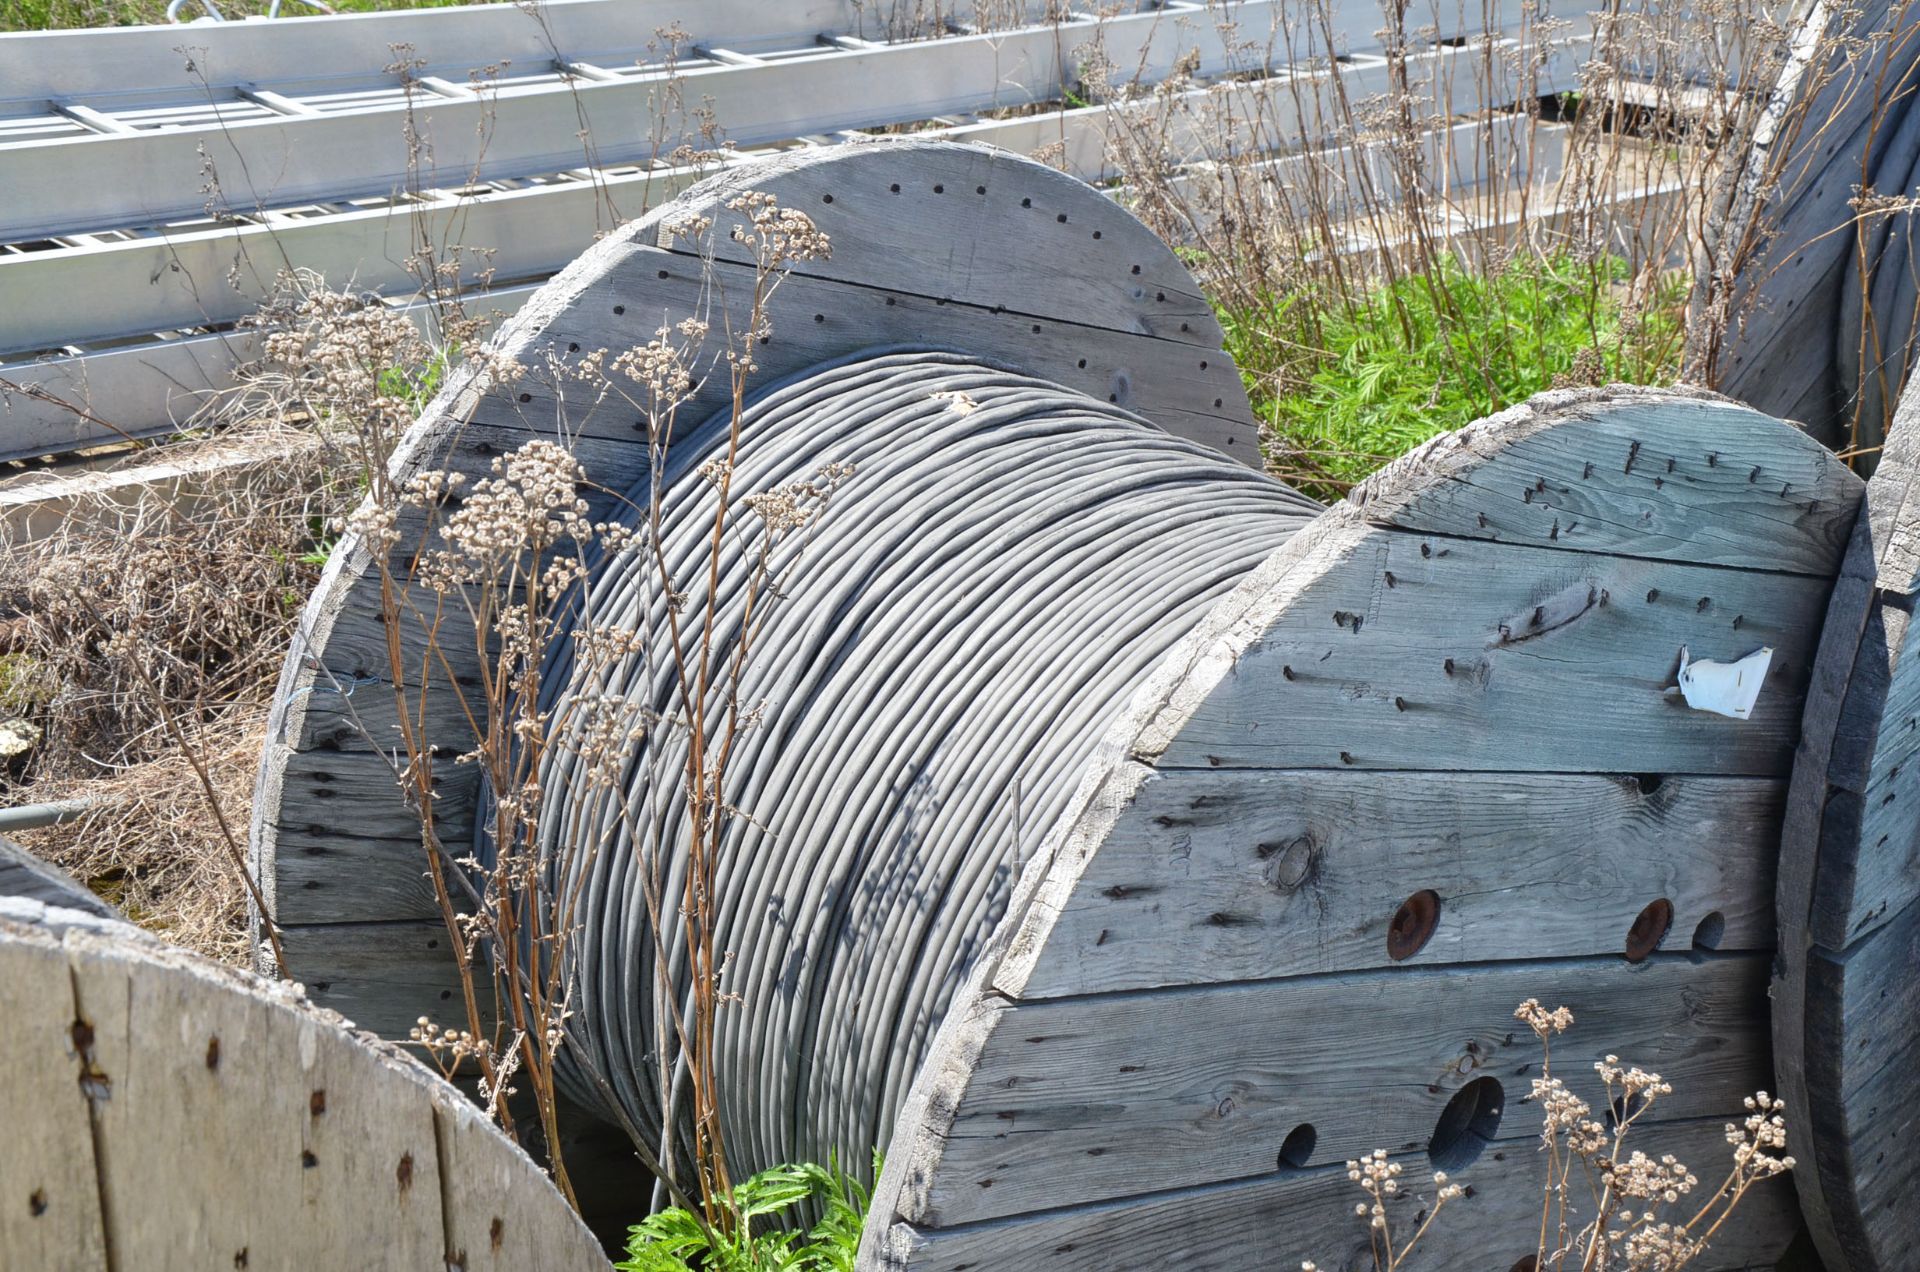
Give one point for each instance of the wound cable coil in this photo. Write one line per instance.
(1008, 563)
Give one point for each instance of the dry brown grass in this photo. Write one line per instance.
(143, 636)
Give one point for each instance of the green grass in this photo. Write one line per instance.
(675, 1241)
(1345, 388)
(50, 15)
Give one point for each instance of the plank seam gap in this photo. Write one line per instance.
(1391, 527)
(1420, 970)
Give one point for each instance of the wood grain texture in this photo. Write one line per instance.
(1399, 699)
(24, 875)
(1801, 173)
(1122, 1095)
(50, 1213)
(1261, 874)
(1073, 311)
(1651, 473)
(1285, 1216)
(1398, 650)
(1847, 1016)
(1191, 390)
(222, 1121)
(381, 976)
(1064, 257)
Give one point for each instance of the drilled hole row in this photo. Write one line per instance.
(1413, 925)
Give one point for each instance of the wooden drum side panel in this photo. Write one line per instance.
(951, 246)
(170, 1113)
(1429, 760)
(1847, 1012)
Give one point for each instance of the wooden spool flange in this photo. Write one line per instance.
(1846, 999)
(1423, 764)
(953, 246)
(1793, 347)
(164, 1112)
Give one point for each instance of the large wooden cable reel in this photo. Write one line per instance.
(1846, 1014)
(1424, 760)
(164, 1112)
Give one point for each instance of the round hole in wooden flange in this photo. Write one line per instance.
(1647, 782)
(1467, 1124)
(1710, 931)
(1413, 924)
(1649, 929)
(1297, 1148)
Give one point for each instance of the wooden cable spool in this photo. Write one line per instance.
(948, 642)
(1422, 764)
(165, 1112)
(1423, 760)
(1846, 1003)
(1839, 116)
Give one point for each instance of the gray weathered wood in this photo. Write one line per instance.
(220, 1120)
(1064, 257)
(1258, 874)
(24, 875)
(1650, 474)
(48, 1175)
(1143, 1002)
(1847, 1016)
(1284, 1216)
(381, 976)
(1107, 353)
(1398, 650)
(1122, 1095)
(1803, 175)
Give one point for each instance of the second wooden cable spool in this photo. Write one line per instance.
(1423, 760)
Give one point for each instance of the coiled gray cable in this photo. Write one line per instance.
(950, 638)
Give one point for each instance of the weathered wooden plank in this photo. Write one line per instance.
(1848, 66)
(1862, 1012)
(347, 845)
(1893, 513)
(1846, 1012)
(1190, 391)
(1393, 650)
(1869, 854)
(24, 875)
(381, 976)
(490, 1228)
(1066, 257)
(1289, 1215)
(51, 1217)
(180, 1058)
(1645, 473)
(1257, 874)
(1119, 1095)
(235, 1125)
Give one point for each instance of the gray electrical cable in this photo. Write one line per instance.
(947, 643)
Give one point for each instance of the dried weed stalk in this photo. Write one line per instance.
(1351, 217)
(502, 563)
(140, 643)
(1645, 1213)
